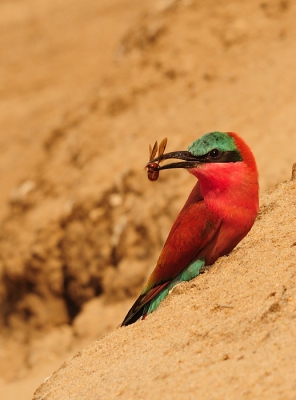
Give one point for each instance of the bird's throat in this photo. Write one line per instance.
(228, 186)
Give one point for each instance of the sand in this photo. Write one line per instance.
(84, 89)
(229, 333)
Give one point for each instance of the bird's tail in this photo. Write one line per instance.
(143, 304)
(149, 300)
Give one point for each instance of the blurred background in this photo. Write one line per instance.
(84, 88)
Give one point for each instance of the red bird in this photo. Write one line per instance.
(217, 215)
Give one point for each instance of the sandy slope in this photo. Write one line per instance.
(229, 333)
(84, 87)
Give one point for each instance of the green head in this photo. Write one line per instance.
(213, 147)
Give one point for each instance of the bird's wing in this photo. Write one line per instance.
(194, 228)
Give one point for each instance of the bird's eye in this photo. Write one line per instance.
(214, 153)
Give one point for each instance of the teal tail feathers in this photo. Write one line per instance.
(148, 302)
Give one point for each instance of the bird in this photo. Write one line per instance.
(217, 215)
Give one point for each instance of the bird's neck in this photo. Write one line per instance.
(229, 188)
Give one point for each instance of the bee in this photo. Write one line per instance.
(152, 168)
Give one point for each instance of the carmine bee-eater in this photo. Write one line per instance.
(218, 213)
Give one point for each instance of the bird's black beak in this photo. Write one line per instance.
(190, 161)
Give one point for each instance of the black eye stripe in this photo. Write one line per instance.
(219, 156)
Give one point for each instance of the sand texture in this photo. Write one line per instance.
(229, 333)
(84, 88)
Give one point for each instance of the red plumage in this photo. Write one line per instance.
(219, 212)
